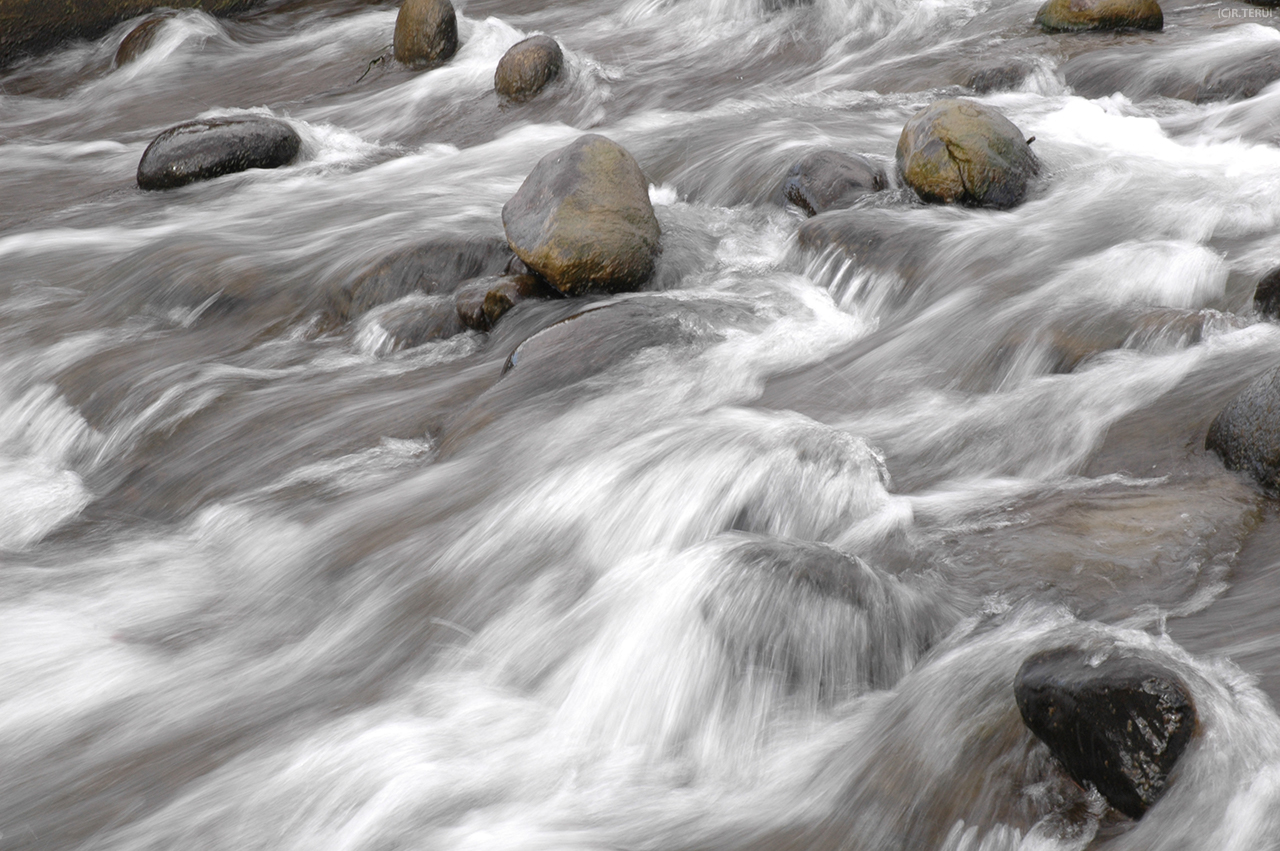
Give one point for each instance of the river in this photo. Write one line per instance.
(271, 582)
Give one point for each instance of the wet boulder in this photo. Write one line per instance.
(826, 624)
(482, 303)
(1120, 724)
(1266, 296)
(32, 26)
(831, 180)
(962, 152)
(201, 150)
(528, 67)
(998, 78)
(426, 33)
(1246, 434)
(141, 37)
(582, 219)
(1076, 15)
(436, 267)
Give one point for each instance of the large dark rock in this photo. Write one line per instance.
(999, 78)
(583, 220)
(437, 267)
(1266, 296)
(200, 150)
(32, 26)
(826, 624)
(1246, 434)
(1076, 15)
(528, 67)
(426, 33)
(1120, 724)
(960, 151)
(831, 180)
(141, 37)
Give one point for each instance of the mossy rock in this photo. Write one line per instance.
(426, 33)
(528, 67)
(963, 152)
(1077, 15)
(582, 219)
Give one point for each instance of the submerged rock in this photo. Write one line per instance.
(200, 150)
(998, 78)
(482, 303)
(426, 33)
(582, 219)
(528, 67)
(831, 180)
(1120, 724)
(141, 37)
(1246, 434)
(1075, 15)
(407, 323)
(32, 26)
(827, 624)
(960, 151)
(437, 267)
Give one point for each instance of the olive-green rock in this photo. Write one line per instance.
(1076, 15)
(426, 33)
(962, 152)
(528, 67)
(582, 219)
(32, 26)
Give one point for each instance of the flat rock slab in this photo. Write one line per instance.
(201, 150)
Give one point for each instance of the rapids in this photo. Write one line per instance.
(269, 584)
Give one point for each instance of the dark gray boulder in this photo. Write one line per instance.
(426, 33)
(200, 150)
(963, 152)
(1266, 296)
(1077, 15)
(831, 180)
(528, 67)
(582, 219)
(1246, 434)
(408, 323)
(1120, 724)
(141, 37)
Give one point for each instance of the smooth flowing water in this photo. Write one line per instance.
(271, 582)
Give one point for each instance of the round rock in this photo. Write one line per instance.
(582, 219)
(200, 150)
(1120, 724)
(426, 33)
(528, 67)
(1077, 15)
(962, 152)
(831, 180)
(1246, 434)
(141, 37)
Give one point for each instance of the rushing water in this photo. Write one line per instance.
(268, 583)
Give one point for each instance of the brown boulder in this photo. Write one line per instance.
(426, 33)
(528, 67)
(1076, 15)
